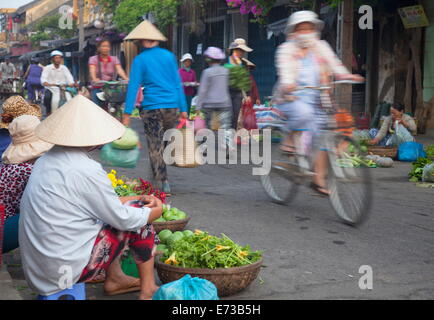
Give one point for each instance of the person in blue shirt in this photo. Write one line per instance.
(156, 70)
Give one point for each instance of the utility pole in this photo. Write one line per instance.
(345, 46)
(80, 36)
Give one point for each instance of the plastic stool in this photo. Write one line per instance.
(77, 292)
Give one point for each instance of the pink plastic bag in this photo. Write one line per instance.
(199, 123)
(139, 97)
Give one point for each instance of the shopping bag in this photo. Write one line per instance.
(187, 288)
(187, 157)
(113, 157)
(410, 151)
(199, 123)
(249, 116)
(428, 173)
(401, 135)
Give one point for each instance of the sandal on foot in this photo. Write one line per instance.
(318, 189)
(287, 149)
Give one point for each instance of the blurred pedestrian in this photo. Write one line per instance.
(214, 97)
(155, 69)
(188, 78)
(237, 49)
(33, 79)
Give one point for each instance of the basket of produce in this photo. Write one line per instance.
(390, 152)
(172, 219)
(228, 265)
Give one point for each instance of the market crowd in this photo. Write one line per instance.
(59, 206)
(81, 222)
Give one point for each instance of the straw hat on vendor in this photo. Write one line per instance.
(25, 144)
(69, 198)
(16, 106)
(80, 123)
(146, 31)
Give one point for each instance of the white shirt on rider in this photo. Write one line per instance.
(7, 70)
(59, 76)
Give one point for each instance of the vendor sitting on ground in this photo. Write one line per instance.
(73, 225)
(382, 136)
(18, 160)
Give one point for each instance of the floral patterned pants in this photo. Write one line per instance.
(156, 122)
(110, 244)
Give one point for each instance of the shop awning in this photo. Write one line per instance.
(58, 43)
(29, 55)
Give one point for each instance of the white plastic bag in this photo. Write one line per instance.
(428, 173)
(401, 135)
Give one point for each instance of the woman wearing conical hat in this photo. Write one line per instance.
(156, 70)
(70, 215)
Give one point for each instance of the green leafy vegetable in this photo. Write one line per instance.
(239, 77)
(416, 172)
(201, 250)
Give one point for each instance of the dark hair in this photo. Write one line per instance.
(398, 106)
(210, 60)
(100, 42)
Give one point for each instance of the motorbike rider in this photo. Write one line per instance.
(53, 76)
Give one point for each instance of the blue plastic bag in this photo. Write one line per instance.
(187, 288)
(113, 157)
(410, 151)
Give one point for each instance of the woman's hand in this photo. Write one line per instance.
(357, 78)
(126, 120)
(373, 142)
(152, 201)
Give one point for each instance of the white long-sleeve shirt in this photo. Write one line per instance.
(53, 75)
(66, 201)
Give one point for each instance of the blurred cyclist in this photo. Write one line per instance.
(104, 67)
(54, 75)
(305, 60)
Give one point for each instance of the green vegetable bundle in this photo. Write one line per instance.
(239, 78)
(202, 250)
(416, 172)
(430, 151)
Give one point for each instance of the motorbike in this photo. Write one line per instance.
(57, 95)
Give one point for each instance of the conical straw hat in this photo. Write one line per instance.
(146, 31)
(80, 123)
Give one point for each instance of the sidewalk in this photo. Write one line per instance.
(8, 290)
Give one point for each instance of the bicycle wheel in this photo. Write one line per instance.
(281, 183)
(349, 184)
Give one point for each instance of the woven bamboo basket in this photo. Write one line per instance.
(390, 152)
(175, 225)
(228, 281)
(187, 158)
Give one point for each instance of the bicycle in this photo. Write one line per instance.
(113, 93)
(349, 184)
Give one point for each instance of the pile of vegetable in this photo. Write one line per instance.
(239, 77)
(202, 250)
(125, 187)
(430, 151)
(171, 214)
(354, 160)
(195, 113)
(416, 172)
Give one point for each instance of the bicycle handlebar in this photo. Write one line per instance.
(327, 87)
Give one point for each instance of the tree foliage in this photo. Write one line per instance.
(130, 13)
(48, 28)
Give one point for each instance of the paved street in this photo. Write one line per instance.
(308, 253)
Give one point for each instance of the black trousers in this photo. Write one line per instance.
(237, 101)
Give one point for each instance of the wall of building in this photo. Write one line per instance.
(428, 81)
